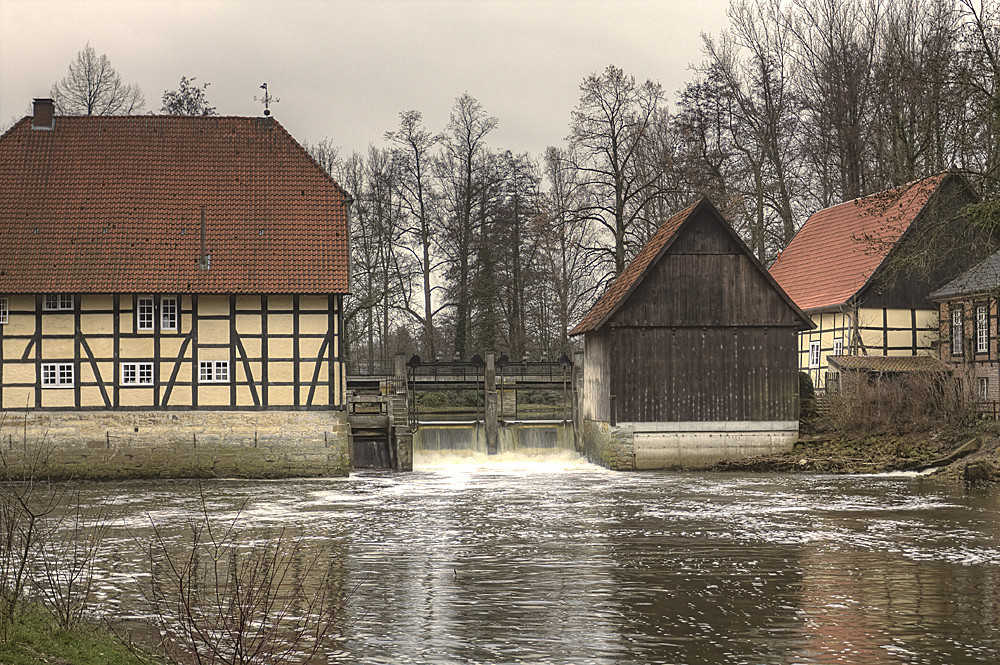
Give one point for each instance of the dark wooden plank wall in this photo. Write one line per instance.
(705, 337)
(719, 286)
(705, 374)
(911, 291)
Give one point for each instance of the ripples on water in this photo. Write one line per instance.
(552, 560)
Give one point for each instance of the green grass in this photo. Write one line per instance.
(34, 638)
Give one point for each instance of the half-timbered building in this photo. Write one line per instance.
(169, 265)
(838, 269)
(969, 330)
(689, 356)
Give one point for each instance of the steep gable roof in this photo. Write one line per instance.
(980, 279)
(837, 251)
(656, 247)
(114, 205)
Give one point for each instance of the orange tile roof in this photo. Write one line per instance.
(620, 289)
(838, 249)
(113, 205)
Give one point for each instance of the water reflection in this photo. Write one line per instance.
(551, 560)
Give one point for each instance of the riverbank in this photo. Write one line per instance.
(968, 453)
(36, 638)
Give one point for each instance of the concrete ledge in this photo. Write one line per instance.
(683, 445)
(717, 426)
(188, 444)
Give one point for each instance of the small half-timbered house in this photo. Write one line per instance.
(969, 329)
(689, 356)
(838, 269)
(170, 270)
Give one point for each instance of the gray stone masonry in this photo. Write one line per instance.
(611, 447)
(175, 444)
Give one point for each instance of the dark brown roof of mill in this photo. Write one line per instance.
(836, 252)
(113, 205)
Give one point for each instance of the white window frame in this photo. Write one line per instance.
(57, 375)
(213, 371)
(145, 313)
(4, 309)
(984, 389)
(982, 330)
(957, 332)
(137, 374)
(168, 313)
(838, 346)
(813, 355)
(54, 302)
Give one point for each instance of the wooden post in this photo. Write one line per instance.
(491, 424)
(400, 373)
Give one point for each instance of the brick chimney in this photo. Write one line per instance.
(44, 117)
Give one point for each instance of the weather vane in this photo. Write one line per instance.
(267, 99)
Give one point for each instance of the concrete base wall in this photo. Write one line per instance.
(686, 445)
(189, 444)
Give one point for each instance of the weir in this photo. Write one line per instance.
(512, 436)
(385, 424)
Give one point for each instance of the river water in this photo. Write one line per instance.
(521, 559)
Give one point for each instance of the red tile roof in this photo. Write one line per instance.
(113, 205)
(626, 282)
(838, 249)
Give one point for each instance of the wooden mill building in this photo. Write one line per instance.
(689, 356)
(167, 281)
(838, 269)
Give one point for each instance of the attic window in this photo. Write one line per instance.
(57, 301)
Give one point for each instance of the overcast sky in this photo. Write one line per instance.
(345, 70)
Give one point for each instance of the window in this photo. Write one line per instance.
(144, 314)
(57, 301)
(813, 354)
(57, 375)
(956, 332)
(3, 310)
(168, 313)
(137, 374)
(984, 389)
(213, 371)
(982, 330)
(838, 346)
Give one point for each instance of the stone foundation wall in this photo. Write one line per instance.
(185, 444)
(611, 447)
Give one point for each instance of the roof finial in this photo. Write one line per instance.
(266, 99)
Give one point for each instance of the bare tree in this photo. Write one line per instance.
(188, 99)
(752, 60)
(93, 87)
(836, 51)
(564, 242)
(459, 173)
(609, 126)
(232, 595)
(413, 154)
